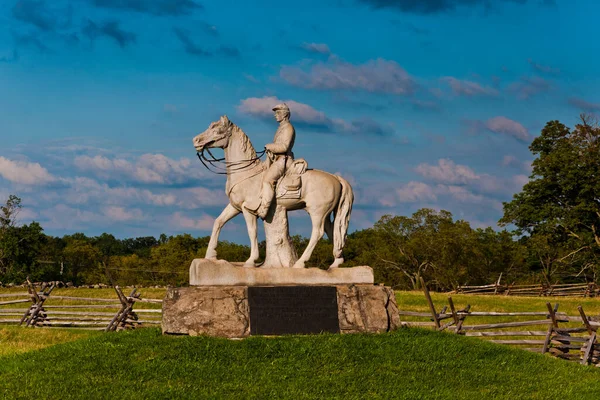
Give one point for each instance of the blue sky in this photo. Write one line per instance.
(428, 103)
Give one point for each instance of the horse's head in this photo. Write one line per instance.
(217, 135)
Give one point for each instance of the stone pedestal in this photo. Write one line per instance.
(225, 311)
(205, 272)
(215, 311)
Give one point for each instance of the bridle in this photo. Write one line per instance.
(231, 167)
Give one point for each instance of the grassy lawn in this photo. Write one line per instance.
(410, 363)
(15, 339)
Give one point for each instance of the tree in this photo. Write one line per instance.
(81, 258)
(9, 212)
(19, 245)
(562, 199)
(427, 243)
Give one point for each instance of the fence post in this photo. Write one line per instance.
(551, 327)
(435, 315)
(497, 284)
(38, 299)
(126, 310)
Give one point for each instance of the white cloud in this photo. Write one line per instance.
(262, 107)
(469, 88)
(121, 214)
(148, 168)
(305, 114)
(84, 190)
(507, 126)
(510, 161)
(377, 76)
(61, 216)
(520, 181)
(180, 221)
(24, 173)
(447, 172)
(201, 197)
(415, 191)
(462, 194)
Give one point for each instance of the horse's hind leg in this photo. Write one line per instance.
(329, 227)
(253, 234)
(318, 229)
(228, 213)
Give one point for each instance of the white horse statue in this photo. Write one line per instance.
(322, 194)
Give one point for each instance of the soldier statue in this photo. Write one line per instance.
(279, 158)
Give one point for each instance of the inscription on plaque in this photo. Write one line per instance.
(293, 310)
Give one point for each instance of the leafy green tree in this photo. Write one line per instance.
(19, 245)
(82, 259)
(9, 212)
(497, 253)
(140, 246)
(171, 259)
(428, 242)
(561, 201)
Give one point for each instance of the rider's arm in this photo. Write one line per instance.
(283, 142)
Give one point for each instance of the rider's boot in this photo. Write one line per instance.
(266, 199)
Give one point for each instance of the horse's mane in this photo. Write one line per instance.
(245, 141)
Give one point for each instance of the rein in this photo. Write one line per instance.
(230, 166)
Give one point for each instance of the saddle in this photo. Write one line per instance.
(289, 186)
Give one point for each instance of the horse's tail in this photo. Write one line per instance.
(342, 217)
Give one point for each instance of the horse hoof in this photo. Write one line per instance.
(210, 256)
(249, 264)
(336, 263)
(299, 264)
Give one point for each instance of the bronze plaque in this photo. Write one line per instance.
(283, 310)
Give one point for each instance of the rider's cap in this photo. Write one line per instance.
(281, 106)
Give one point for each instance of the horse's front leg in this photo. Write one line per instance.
(253, 234)
(228, 213)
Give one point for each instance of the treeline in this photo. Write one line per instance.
(401, 249)
(556, 240)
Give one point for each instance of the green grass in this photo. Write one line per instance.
(409, 363)
(16, 339)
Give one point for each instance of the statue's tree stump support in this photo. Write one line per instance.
(280, 248)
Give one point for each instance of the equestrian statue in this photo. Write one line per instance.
(257, 188)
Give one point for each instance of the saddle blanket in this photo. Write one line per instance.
(289, 187)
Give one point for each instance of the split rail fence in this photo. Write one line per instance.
(47, 310)
(537, 290)
(550, 331)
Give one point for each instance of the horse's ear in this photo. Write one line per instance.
(224, 120)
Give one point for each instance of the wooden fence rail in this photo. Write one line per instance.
(78, 312)
(576, 342)
(566, 289)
